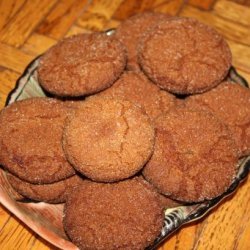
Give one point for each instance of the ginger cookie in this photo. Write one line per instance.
(137, 88)
(195, 158)
(81, 65)
(30, 139)
(108, 139)
(122, 215)
(231, 103)
(51, 193)
(184, 56)
(130, 31)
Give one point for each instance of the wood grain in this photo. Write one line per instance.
(29, 27)
(97, 14)
(231, 30)
(236, 13)
(13, 58)
(62, 17)
(17, 30)
(205, 4)
(37, 44)
(8, 79)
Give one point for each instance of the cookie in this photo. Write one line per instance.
(30, 140)
(165, 201)
(123, 215)
(195, 158)
(184, 56)
(231, 103)
(108, 140)
(51, 193)
(81, 65)
(130, 31)
(137, 88)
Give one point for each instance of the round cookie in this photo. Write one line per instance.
(107, 139)
(30, 140)
(194, 159)
(82, 64)
(231, 103)
(137, 88)
(123, 215)
(130, 31)
(51, 193)
(184, 56)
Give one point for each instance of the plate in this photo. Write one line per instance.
(46, 219)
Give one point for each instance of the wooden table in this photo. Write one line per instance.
(29, 27)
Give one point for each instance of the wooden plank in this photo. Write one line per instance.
(4, 215)
(8, 9)
(98, 14)
(8, 80)
(243, 241)
(129, 8)
(37, 44)
(75, 29)
(186, 234)
(242, 2)
(235, 12)
(111, 24)
(170, 7)
(60, 19)
(241, 55)
(17, 30)
(230, 30)
(13, 58)
(205, 4)
(15, 235)
(223, 225)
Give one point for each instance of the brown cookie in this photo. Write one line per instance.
(82, 64)
(184, 56)
(137, 88)
(194, 159)
(51, 193)
(231, 103)
(30, 140)
(108, 139)
(130, 31)
(165, 201)
(123, 215)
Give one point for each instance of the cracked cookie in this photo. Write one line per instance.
(108, 139)
(137, 88)
(130, 31)
(51, 193)
(195, 157)
(122, 215)
(30, 140)
(81, 65)
(231, 103)
(184, 56)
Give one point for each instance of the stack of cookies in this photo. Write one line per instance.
(138, 121)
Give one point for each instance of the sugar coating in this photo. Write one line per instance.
(184, 56)
(137, 88)
(30, 140)
(82, 64)
(123, 215)
(130, 31)
(231, 103)
(108, 139)
(194, 159)
(51, 193)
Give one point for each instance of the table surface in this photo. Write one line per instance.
(29, 27)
